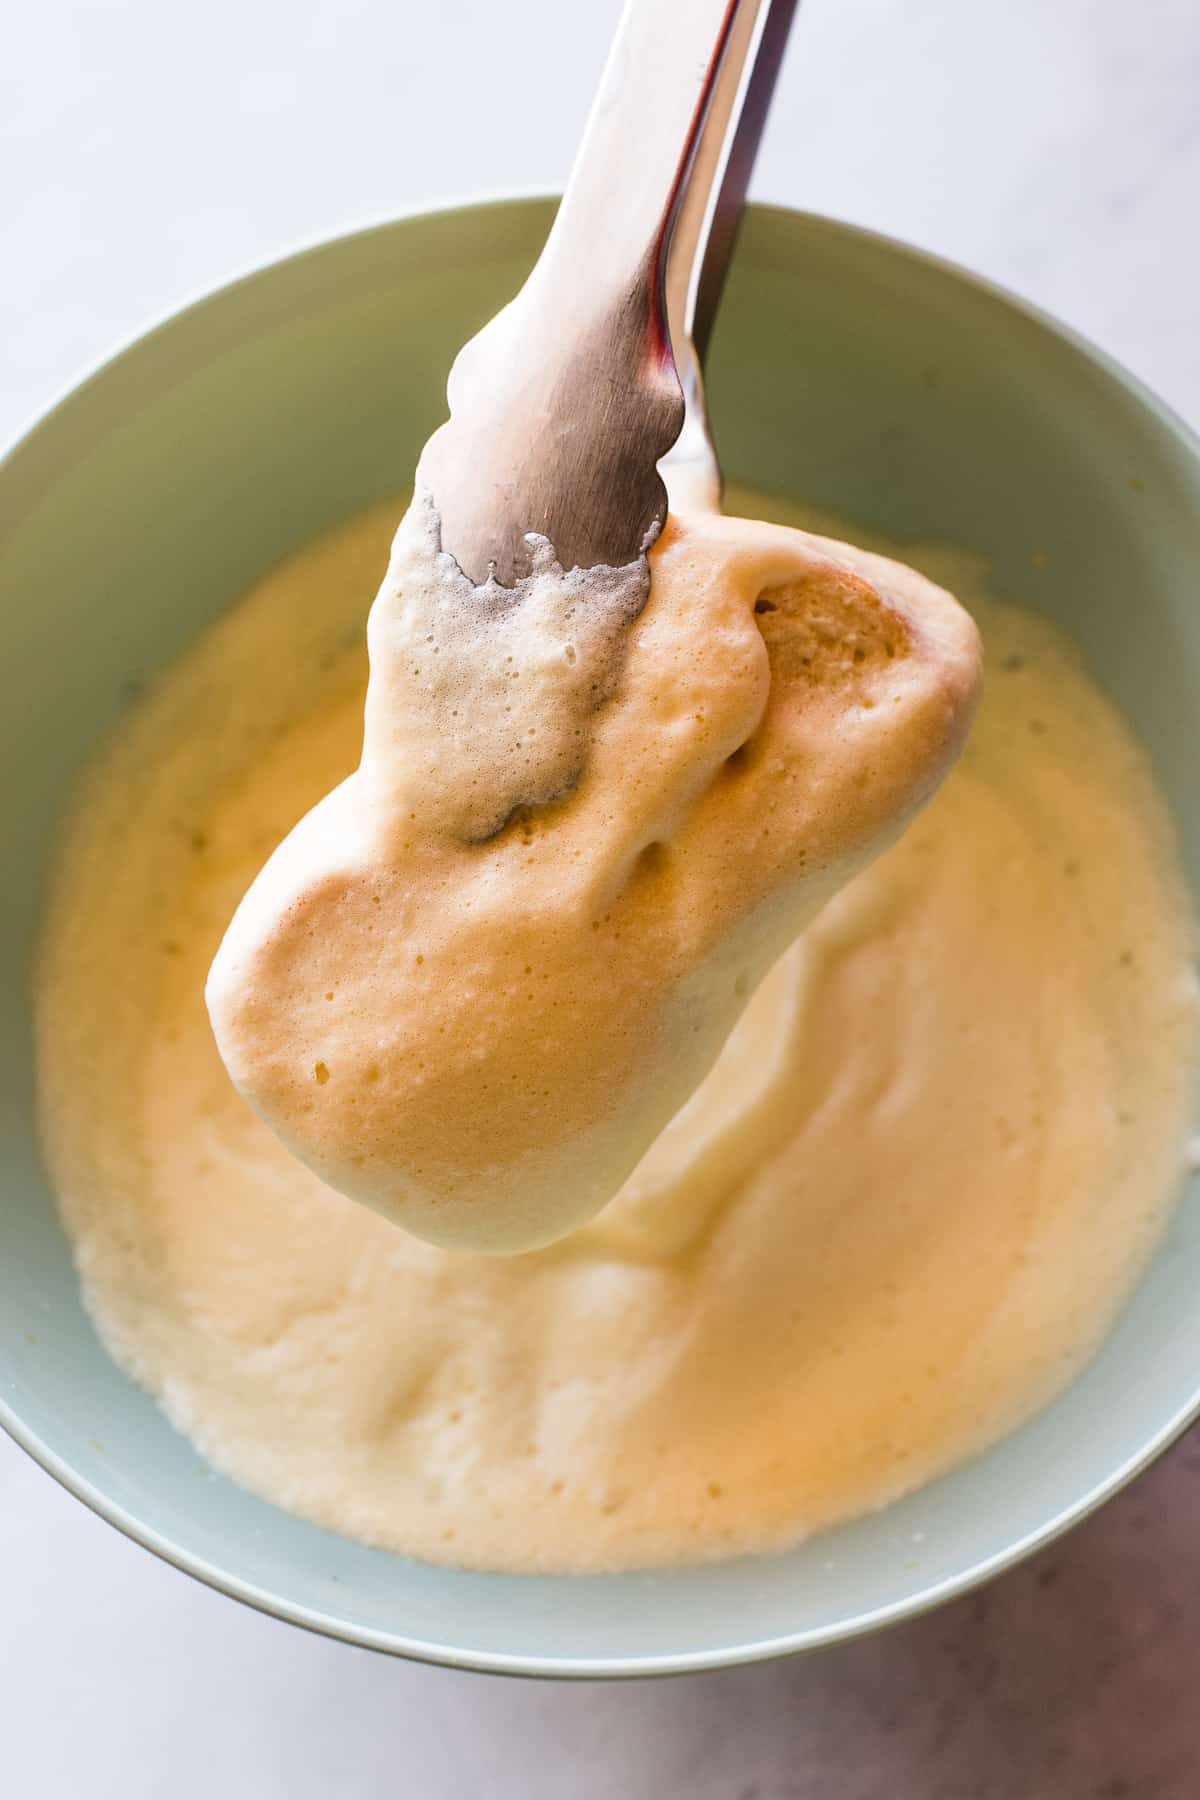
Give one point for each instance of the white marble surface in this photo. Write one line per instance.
(149, 150)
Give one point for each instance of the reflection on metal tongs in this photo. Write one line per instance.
(565, 404)
(701, 241)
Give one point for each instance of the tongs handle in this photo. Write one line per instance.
(706, 226)
(563, 406)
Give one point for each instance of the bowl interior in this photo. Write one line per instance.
(847, 370)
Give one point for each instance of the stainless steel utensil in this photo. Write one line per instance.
(562, 407)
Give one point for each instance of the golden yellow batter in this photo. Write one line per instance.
(898, 1215)
(476, 982)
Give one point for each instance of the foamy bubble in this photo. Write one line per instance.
(481, 696)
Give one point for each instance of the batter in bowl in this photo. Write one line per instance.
(899, 1214)
(481, 976)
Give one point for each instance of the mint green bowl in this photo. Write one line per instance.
(848, 370)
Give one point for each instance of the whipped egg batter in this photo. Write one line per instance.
(479, 978)
(898, 1214)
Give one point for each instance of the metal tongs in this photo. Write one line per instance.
(565, 404)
